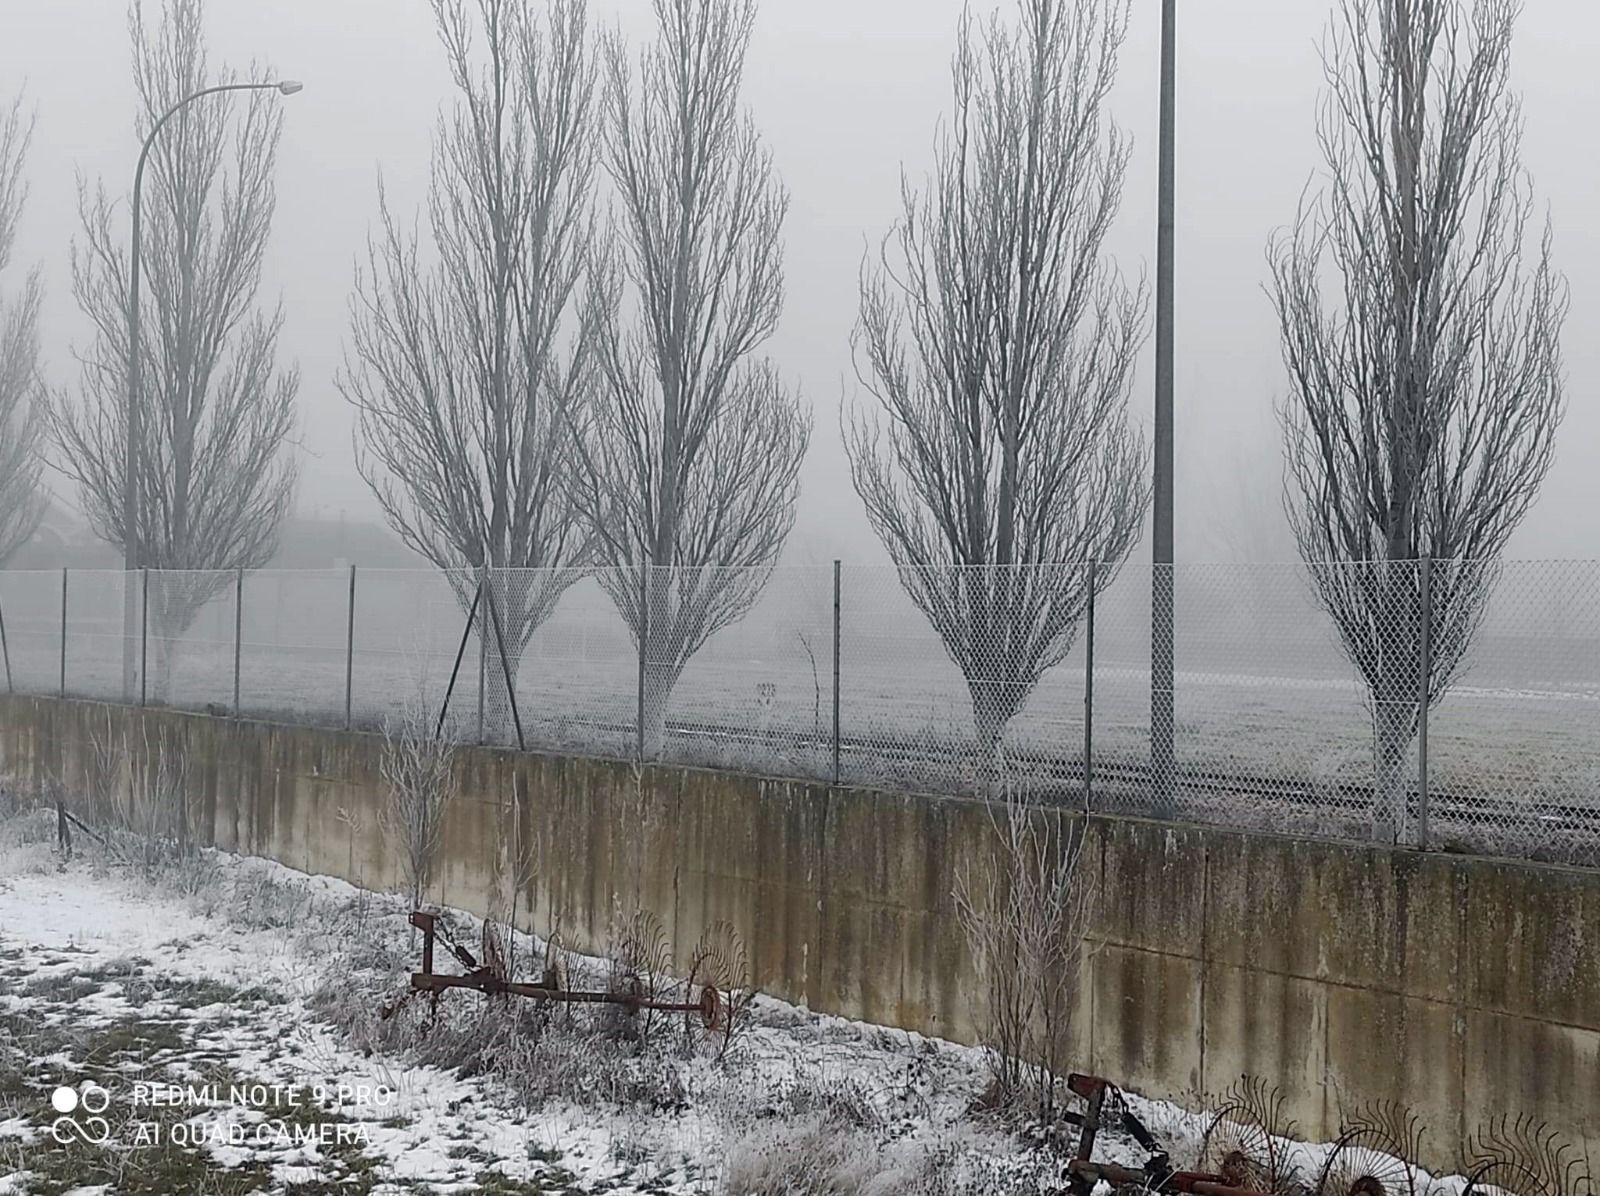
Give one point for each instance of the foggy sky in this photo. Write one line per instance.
(845, 92)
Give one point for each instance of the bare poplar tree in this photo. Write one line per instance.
(215, 481)
(690, 455)
(21, 431)
(1000, 343)
(460, 374)
(1424, 398)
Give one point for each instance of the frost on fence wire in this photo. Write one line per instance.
(99, 646)
(1121, 711)
(960, 679)
(406, 631)
(1514, 743)
(30, 605)
(739, 668)
(1298, 688)
(187, 638)
(1275, 727)
(294, 625)
(570, 660)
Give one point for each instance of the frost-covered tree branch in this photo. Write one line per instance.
(1421, 327)
(690, 455)
(999, 343)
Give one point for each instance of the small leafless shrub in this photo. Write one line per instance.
(418, 769)
(1024, 913)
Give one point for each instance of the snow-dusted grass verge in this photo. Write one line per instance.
(221, 970)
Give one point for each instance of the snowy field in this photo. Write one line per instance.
(229, 1009)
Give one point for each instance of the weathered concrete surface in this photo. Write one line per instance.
(1466, 988)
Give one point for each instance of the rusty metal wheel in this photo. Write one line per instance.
(1371, 1156)
(1245, 1139)
(711, 1007)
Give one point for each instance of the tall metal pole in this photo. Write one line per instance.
(1161, 596)
(132, 556)
(1088, 699)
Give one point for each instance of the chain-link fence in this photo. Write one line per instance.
(1451, 705)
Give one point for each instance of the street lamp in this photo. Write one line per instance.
(132, 542)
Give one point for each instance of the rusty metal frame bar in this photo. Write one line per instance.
(484, 981)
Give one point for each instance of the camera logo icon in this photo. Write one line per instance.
(87, 1102)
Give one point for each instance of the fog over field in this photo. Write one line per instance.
(844, 91)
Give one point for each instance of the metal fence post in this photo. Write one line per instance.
(63, 633)
(238, 633)
(644, 640)
(1424, 685)
(350, 651)
(144, 634)
(1088, 698)
(483, 651)
(836, 639)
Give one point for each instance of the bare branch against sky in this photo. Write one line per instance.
(218, 412)
(1000, 343)
(468, 355)
(691, 452)
(21, 430)
(1425, 395)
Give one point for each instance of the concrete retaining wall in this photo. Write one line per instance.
(1466, 988)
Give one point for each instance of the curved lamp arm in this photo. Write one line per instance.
(132, 545)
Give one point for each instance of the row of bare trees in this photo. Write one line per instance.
(1425, 389)
(564, 368)
(543, 387)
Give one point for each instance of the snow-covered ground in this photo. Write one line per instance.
(230, 1012)
(229, 1008)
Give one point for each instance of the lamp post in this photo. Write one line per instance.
(132, 542)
